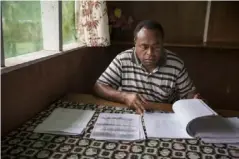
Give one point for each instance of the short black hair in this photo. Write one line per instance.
(149, 24)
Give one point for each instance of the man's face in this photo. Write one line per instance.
(148, 44)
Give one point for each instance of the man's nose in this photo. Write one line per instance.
(150, 51)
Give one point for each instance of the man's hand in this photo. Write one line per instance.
(136, 101)
(133, 100)
(197, 96)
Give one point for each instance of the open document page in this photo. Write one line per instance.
(164, 125)
(201, 121)
(112, 126)
(174, 125)
(189, 109)
(65, 121)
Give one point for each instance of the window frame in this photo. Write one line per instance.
(51, 15)
(1, 45)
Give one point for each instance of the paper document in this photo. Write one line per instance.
(228, 134)
(189, 109)
(164, 125)
(65, 121)
(192, 118)
(112, 126)
(217, 127)
(221, 140)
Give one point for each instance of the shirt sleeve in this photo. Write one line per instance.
(184, 84)
(112, 75)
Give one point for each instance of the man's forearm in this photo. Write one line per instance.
(109, 93)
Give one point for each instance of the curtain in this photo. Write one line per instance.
(92, 25)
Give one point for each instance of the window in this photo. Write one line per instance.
(35, 30)
(68, 20)
(22, 29)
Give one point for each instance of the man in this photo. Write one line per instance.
(146, 72)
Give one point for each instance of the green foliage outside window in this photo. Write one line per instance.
(22, 26)
(22, 31)
(68, 20)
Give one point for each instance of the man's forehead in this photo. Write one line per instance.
(147, 32)
(147, 35)
(145, 42)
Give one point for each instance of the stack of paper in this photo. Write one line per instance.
(176, 125)
(224, 131)
(112, 126)
(65, 121)
(192, 118)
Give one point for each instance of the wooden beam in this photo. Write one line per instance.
(206, 24)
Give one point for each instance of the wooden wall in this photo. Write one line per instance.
(184, 22)
(28, 90)
(224, 23)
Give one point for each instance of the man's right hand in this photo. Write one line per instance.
(132, 100)
(136, 101)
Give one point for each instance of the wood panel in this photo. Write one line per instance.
(183, 22)
(28, 90)
(224, 23)
(214, 72)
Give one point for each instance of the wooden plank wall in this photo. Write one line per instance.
(28, 90)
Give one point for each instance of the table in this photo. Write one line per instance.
(23, 143)
(88, 98)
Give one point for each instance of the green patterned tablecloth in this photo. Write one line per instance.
(23, 143)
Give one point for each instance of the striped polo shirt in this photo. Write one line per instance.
(167, 83)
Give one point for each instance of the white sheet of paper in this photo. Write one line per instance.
(65, 121)
(189, 109)
(164, 125)
(112, 126)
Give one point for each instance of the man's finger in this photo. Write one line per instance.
(140, 106)
(142, 99)
(138, 111)
(197, 96)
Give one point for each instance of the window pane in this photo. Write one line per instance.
(68, 20)
(22, 31)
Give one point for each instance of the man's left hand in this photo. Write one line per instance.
(197, 96)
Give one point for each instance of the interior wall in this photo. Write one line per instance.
(183, 22)
(224, 23)
(28, 90)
